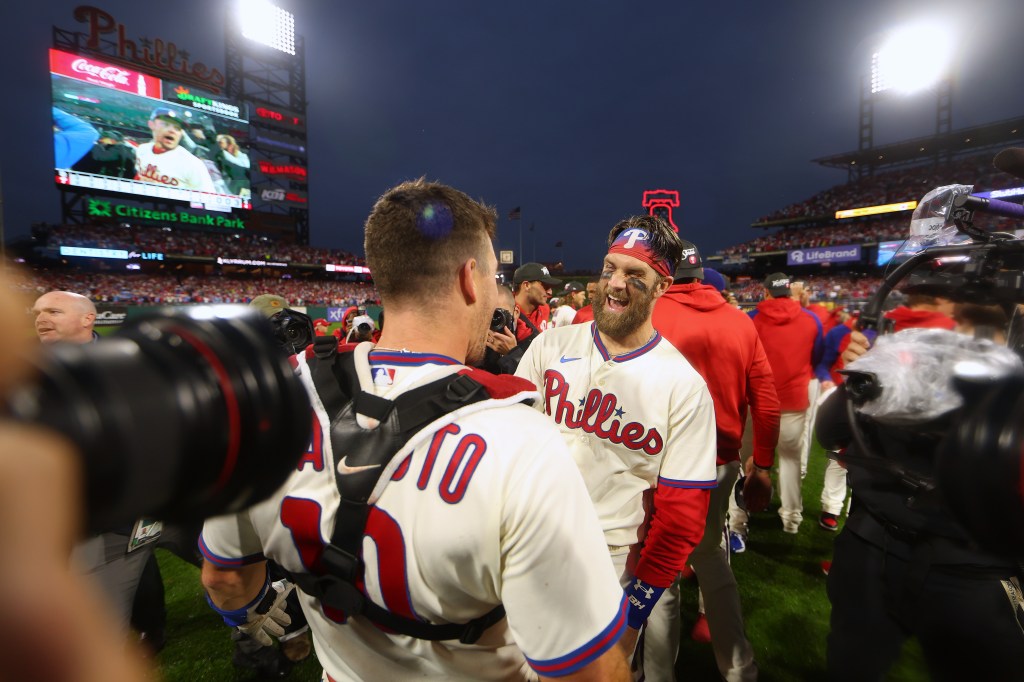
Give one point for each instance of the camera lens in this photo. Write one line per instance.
(182, 414)
(501, 319)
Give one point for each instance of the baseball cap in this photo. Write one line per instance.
(534, 272)
(320, 322)
(777, 284)
(690, 264)
(112, 134)
(714, 278)
(269, 304)
(362, 319)
(169, 114)
(570, 288)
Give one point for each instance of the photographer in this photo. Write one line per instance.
(54, 624)
(903, 566)
(503, 351)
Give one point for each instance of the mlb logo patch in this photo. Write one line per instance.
(382, 376)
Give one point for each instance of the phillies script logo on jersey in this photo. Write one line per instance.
(107, 73)
(595, 416)
(153, 173)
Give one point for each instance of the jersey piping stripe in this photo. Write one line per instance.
(226, 562)
(625, 356)
(378, 357)
(584, 655)
(673, 483)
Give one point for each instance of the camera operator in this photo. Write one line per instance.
(54, 624)
(114, 559)
(362, 329)
(503, 351)
(902, 565)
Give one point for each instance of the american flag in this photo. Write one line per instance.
(516, 213)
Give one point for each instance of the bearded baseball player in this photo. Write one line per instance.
(482, 507)
(639, 422)
(164, 161)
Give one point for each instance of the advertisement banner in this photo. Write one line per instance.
(279, 142)
(277, 195)
(271, 114)
(100, 208)
(105, 75)
(110, 316)
(288, 170)
(824, 254)
(197, 99)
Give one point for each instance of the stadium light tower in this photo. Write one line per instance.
(908, 60)
(267, 24)
(912, 58)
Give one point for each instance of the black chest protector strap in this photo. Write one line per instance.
(360, 457)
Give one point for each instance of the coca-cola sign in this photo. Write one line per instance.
(100, 73)
(107, 73)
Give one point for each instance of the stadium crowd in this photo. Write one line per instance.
(892, 187)
(167, 289)
(895, 186)
(823, 288)
(185, 242)
(830, 235)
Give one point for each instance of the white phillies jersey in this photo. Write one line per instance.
(631, 422)
(175, 168)
(563, 315)
(486, 508)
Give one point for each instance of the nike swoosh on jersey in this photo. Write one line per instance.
(345, 470)
(565, 359)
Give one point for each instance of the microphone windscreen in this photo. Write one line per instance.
(1010, 161)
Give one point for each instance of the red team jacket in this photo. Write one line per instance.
(826, 316)
(722, 345)
(540, 317)
(906, 318)
(792, 339)
(584, 314)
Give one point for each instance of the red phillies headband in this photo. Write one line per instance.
(636, 242)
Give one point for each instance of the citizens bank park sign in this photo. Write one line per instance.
(98, 208)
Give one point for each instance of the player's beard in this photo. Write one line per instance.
(622, 324)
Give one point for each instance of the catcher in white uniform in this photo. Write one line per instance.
(637, 418)
(164, 161)
(482, 507)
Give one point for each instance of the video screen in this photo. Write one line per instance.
(886, 250)
(125, 131)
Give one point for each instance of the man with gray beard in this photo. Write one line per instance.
(638, 420)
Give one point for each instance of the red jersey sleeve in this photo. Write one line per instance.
(677, 526)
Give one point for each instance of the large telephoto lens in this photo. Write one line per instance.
(182, 414)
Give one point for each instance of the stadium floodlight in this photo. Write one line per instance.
(267, 24)
(912, 58)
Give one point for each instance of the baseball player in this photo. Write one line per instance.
(637, 418)
(164, 161)
(484, 506)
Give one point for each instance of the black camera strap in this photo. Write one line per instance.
(361, 458)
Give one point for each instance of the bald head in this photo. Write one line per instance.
(505, 298)
(63, 316)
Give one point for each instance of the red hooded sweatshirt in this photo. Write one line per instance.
(793, 342)
(722, 345)
(907, 318)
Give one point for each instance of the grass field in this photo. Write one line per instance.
(781, 585)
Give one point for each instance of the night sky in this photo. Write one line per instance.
(567, 109)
